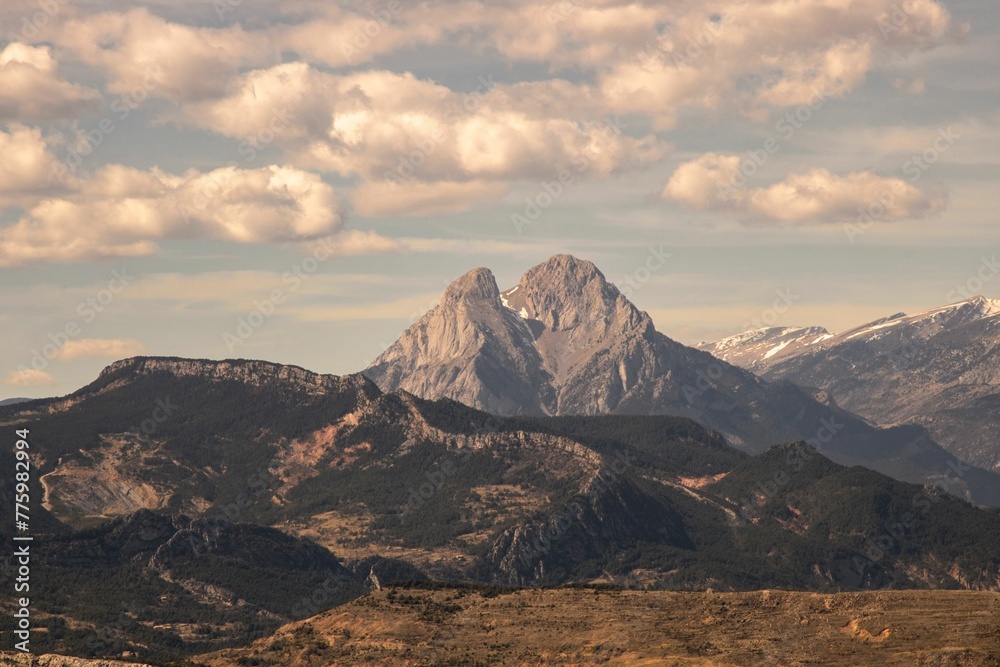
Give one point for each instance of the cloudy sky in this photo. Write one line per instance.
(299, 180)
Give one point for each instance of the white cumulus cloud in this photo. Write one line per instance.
(100, 348)
(418, 146)
(28, 169)
(31, 89)
(29, 377)
(121, 212)
(715, 182)
(140, 51)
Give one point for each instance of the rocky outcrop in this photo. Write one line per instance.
(593, 342)
(251, 373)
(474, 346)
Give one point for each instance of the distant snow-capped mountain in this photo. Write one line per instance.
(759, 349)
(939, 368)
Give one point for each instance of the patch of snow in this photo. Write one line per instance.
(987, 307)
(503, 297)
(776, 349)
(875, 327)
(524, 312)
(991, 307)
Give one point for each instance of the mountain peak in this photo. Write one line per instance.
(476, 285)
(952, 315)
(757, 348)
(565, 292)
(562, 325)
(565, 270)
(986, 306)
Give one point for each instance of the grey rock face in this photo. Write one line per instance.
(562, 341)
(594, 344)
(939, 369)
(469, 348)
(565, 341)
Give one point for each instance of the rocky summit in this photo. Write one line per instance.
(565, 341)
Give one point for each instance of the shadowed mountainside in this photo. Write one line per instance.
(939, 369)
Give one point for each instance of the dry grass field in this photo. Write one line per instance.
(605, 627)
